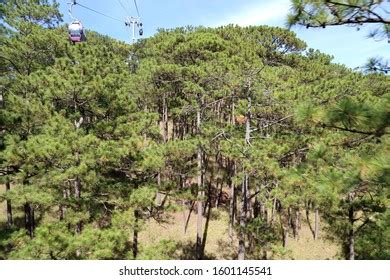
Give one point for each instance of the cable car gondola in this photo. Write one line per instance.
(76, 32)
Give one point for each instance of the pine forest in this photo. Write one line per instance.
(194, 143)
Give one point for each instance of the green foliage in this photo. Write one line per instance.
(163, 250)
(95, 142)
(374, 240)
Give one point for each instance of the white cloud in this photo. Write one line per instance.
(265, 12)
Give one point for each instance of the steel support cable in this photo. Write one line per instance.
(127, 12)
(136, 7)
(100, 13)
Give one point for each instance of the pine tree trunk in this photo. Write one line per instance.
(285, 236)
(10, 220)
(316, 223)
(243, 219)
(245, 186)
(77, 195)
(232, 187)
(63, 207)
(262, 210)
(232, 203)
(295, 224)
(351, 237)
(165, 119)
(220, 191)
(257, 204)
(189, 217)
(289, 215)
(284, 226)
(29, 219)
(273, 211)
(158, 195)
(206, 227)
(181, 182)
(308, 220)
(249, 209)
(135, 234)
(199, 220)
(351, 244)
(233, 111)
(299, 218)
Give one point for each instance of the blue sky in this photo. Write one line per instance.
(346, 44)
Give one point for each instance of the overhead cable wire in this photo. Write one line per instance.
(136, 7)
(127, 12)
(100, 13)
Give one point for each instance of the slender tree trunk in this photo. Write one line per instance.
(285, 236)
(220, 191)
(351, 237)
(29, 219)
(289, 215)
(299, 218)
(243, 219)
(77, 182)
(165, 119)
(351, 244)
(256, 206)
(63, 207)
(284, 226)
(206, 227)
(77, 195)
(135, 234)
(232, 187)
(273, 211)
(10, 220)
(316, 223)
(232, 203)
(295, 223)
(249, 209)
(265, 254)
(189, 216)
(199, 221)
(233, 111)
(309, 222)
(245, 185)
(181, 182)
(158, 195)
